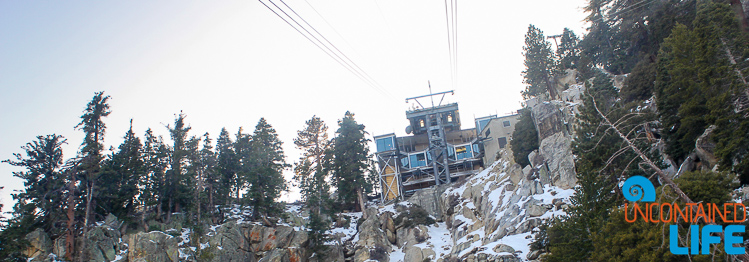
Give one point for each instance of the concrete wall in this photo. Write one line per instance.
(495, 130)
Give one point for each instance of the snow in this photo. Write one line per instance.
(547, 197)
(185, 236)
(397, 255)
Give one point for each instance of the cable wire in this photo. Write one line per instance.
(347, 63)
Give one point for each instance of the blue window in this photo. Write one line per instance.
(462, 152)
(451, 152)
(481, 124)
(385, 144)
(418, 160)
(476, 149)
(404, 162)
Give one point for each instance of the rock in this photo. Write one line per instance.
(59, 247)
(112, 222)
(705, 149)
(273, 238)
(276, 255)
(299, 239)
(516, 173)
(233, 242)
(535, 211)
(411, 236)
(153, 246)
(391, 236)
(548, 120)
(413, 254)
(558, 154)
(428, 199)
(40, 245)
(533, 254)
(102, 242)
(503, 248)
(535, 159)
(373, 243)
(565, 81)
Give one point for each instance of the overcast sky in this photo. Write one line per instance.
(228, 63)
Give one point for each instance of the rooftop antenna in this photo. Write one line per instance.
(430, 91)
(555, 39)
(430, 95)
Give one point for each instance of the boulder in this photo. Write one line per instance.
(102, 243)
(153, 246)
(276, 255)
(535, 211)
(705, 149)
(499, 248)
(231, 243)
(548, 119)
(558, 154)
(40, 245)
(373, 243)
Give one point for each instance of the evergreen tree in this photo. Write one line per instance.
(311, 174)
(177, 181)
(92, 125)
(265, 174)
(44, 185)
(122, 172)
(244, 161)
(226, 169)
(539, 64)
(208, 175)
(568, 50)
(153, 189)
(699, 74)
(351, 162)
(524, 138)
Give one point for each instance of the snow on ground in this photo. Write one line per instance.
(439, 240)
(350, 232)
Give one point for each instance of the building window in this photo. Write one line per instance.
(506, 123)
(449, 118)
(418, 160)
(502, 142)
(488, 131)
(385, 144)
(421, 122)
(462, 152)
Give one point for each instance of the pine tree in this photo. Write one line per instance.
(524, 138)
(44, 183)
(244, 161)
(226, 168)
(92, 125)
(699, 73)
(177, 189)
(351, 162)
(568, 51)
(122, 172)
(153, 189)
(208, 175)
(311, 174)
(539, 64)
(265, 173)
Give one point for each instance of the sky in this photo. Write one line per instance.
(228, 63)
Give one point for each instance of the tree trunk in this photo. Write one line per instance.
(70, 234)
(143, 216)
(362, 205)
